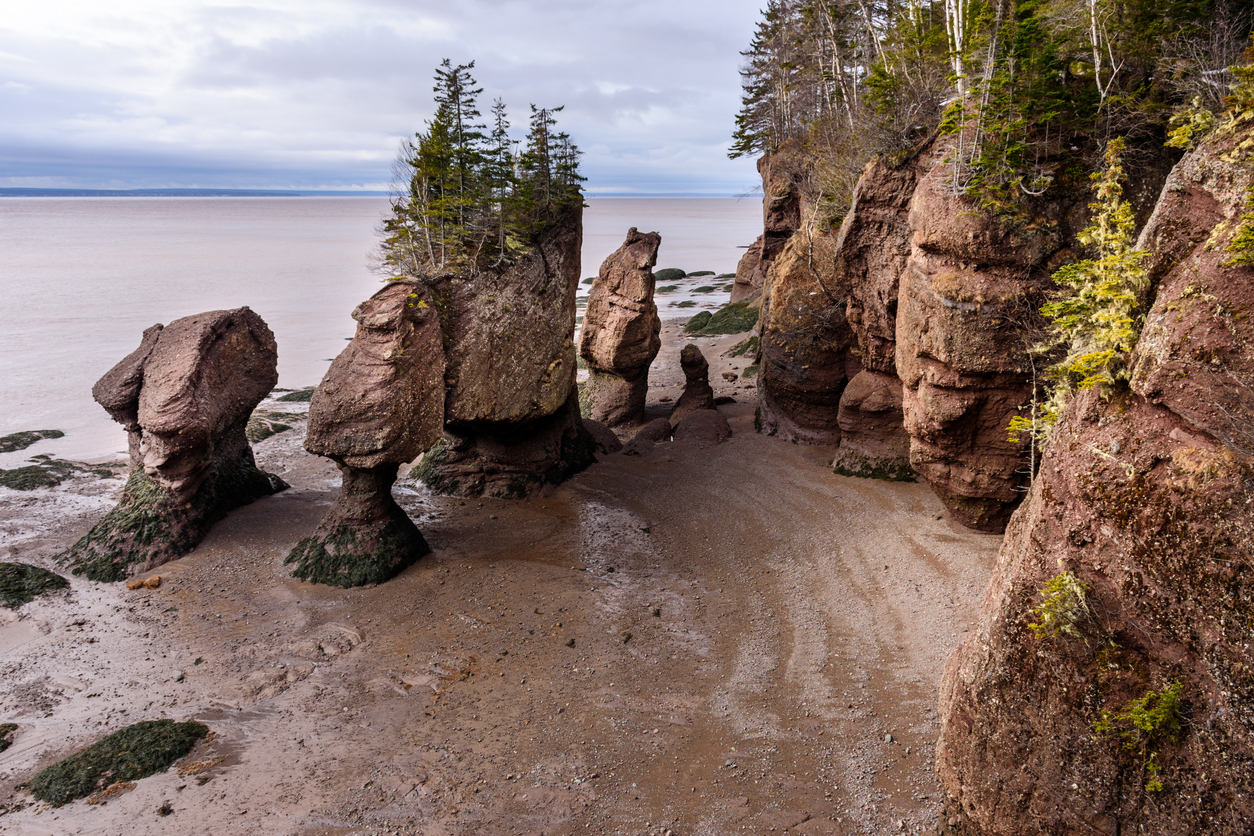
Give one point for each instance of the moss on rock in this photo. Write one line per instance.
(135, 752)
(669, 274)
(354, 555)
(20, 583)
(298, 396)
(21, 440)
(896, 469)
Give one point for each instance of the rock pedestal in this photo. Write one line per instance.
(380, 405)
(184, 396)
(697, 394)
(622, 332)
(511, 412)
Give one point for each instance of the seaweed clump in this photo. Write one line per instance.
(20, 583)
(135, 752)
(735, 318)
(20, 441)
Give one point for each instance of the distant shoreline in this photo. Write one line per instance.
(182, 193)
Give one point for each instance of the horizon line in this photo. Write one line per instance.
(194, 192)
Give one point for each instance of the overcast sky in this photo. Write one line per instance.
(308, 94)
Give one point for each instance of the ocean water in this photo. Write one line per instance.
(81, 278)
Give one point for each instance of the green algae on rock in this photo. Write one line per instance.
(20, 441)
(20, 583)
(135, 752)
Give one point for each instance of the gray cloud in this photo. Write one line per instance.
(321, 98)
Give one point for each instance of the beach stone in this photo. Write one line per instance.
(622, 332)
(512, 425)
(606, 440)
(704, 428)
(698, 394)
(184, 396)
(657, 430)
(380, 405)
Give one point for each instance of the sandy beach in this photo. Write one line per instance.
(693, 640)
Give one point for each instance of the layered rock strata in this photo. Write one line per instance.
(967, 299)
(805, 348)
(697, 394)
(783, 175)
(1130, 706)
(511, 411)
(184, 396)
(622, 332)
(380, 405)
(873, 442)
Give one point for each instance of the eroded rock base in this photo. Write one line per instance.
(364, 539)
(518, 462)
(150, 526)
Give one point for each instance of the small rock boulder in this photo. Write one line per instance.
(380, 405)
(705, 428)
(604, 438)
(622, 332)
(184, 396)
(698, 394)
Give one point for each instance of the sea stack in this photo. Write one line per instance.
(622, 332)
(511, 411)
(184, 396)
(697, 394)
(380, 405)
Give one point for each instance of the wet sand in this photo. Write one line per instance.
(718, 640)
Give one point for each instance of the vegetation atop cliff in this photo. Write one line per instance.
(464, 197)
(1033, 88)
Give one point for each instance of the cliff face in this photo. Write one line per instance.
(783, 207)
(971, 282)
(805, 343)
(1133, 710)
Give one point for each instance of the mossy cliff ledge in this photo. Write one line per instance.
(621, 333)
(184, 396)
(1110, 684)
(381, 404)
(511, 411)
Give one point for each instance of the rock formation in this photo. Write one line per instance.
(783, 207)
(971, 283)
(380, 405)
(184, 396)
(705, 427)
(805, 344)
(697, 394)
(511, 411)
(873, 442)
(622, 332)
(1130, 707)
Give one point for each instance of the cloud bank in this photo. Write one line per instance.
(318, 93)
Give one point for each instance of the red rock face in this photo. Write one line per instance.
(1147, 498)
(970, 283)
(873, 442)
(622, 332)
(805, 344)
(783, 206)
(698, 394)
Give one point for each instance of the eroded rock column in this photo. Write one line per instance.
(622, 332)
(380, 405)
(184, 396)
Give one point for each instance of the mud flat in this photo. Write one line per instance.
(716, 640)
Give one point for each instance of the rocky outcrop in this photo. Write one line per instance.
(873, 442)
(783, 173)
(511, 411)
(968, 295)
(697, 394)
(380, 405)
(805, 344)
(1130, 707)
(184, 396)
(622, 332)
(705, 428)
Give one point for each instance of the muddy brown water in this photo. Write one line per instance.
(726, 640)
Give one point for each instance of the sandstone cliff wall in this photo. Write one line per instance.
(1133, 711)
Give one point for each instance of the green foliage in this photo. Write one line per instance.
(464, 199)
(135, 752)
(1144, 724)
(20, 441)
(1063, 609)
(1189, 124)
(1242, 246)
(20, 583)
